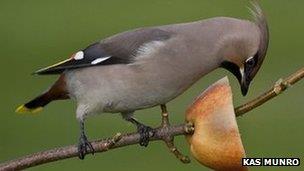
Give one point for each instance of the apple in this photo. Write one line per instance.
(216, 141)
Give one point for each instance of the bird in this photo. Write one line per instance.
(150, 66)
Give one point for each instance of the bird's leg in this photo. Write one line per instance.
(84, 146)
(169, 140)
(145, 131)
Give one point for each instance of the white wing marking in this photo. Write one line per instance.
(79, 55)
(98, 60)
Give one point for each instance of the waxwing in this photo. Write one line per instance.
(151, 66)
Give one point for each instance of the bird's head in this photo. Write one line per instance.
(244, 57)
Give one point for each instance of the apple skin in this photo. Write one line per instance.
(216, 142)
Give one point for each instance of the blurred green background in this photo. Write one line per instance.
(37, 33)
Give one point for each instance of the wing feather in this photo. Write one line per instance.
(118, 49)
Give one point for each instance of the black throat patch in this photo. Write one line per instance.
(233, 68)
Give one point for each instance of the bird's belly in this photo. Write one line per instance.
(116, 98)
(131, 99)
(102, 91)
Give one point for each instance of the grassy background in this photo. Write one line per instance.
(36, 33)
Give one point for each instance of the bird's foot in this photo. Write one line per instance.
(145, 133)
(84, 146)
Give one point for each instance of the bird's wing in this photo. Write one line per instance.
(118, 49)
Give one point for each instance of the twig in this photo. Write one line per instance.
(99, 146)
(161, 133)
(169, 139)
(280, 86)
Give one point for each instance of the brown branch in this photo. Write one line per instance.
(280, 86)
(165, 132)
(99, 146)
(169, 139)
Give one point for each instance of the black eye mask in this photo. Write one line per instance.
(233, 68)
(249, 66)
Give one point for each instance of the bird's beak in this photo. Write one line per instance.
(244, 82)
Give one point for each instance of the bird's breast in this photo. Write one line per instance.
(119, 88)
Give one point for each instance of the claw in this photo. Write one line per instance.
(84, 147)
(145, 133)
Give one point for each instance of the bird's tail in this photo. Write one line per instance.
(56, 92)
(35, 105)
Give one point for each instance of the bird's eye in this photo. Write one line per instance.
(251, 62)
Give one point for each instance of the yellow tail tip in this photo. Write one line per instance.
(24, 109)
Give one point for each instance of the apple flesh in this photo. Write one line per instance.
(216, 142)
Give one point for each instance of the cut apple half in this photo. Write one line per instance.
(216, 141)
